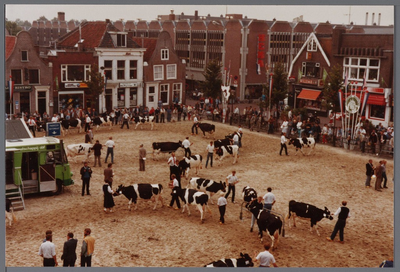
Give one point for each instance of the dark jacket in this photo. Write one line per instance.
(370, 169)
(69, 251)
(89, 170)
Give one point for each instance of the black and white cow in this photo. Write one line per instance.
(230, 136)
(222, 142)
(208, 186)
(244, 261)
(102, 121)
(299, 143)
(193, 197)
(224, 151)
(73, 150)
(188, 163)
(166, 147)
(206, 127)
(71, 123)
(142, 120)
(249, 194)
(268, 222)
(305, 210)
(10, 212)
(143, 191)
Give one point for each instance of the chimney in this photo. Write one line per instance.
(108, 21)
(379, 19)
(373, 17)
(61, 16)
(171, 15)
(366, 18)
(196, 15)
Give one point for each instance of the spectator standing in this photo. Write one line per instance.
(284, 125)
(184, 112)
(125, 119)
(175, 185)
(186, 145)
(283, 144)
(162, 115)
(87, 122)
(324, 134)
(210, 153)
(87, 248)
(54, 118)
(363, 138)
(373, 139)
(269, 199)
(86, 174)
(97, 147)
(110, 144)
(370, 171)
(195, 123)
(265, 257)
(69, 251)
(157, 114)
(343, 213)
(108, 197)
(222, 202)
(232, 179)
(47, 250)
(379, 176)
(87, 137)
(32, 125)
(384, 176)
(142, 158)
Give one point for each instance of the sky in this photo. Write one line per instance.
(313, 14)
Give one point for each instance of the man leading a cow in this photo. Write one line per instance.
(186, 145)
(343, 213)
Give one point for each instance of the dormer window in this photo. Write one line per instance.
(164, 54)
(24, 55)
(119, 38)
(312, 46)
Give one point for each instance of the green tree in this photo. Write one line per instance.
(13, 28)
(95, 85)
(279, 88)
(212, 84)
(42, 18)
(332, 84)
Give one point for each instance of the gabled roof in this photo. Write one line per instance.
(10, 45)
(17, 129)
(311, 37)
(149, 44)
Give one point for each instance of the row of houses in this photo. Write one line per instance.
(146, 61)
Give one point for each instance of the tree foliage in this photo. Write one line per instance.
(95, 84)
(212, 83)
(279, 88)
(13, 28)
(333, 83)
(42, 18)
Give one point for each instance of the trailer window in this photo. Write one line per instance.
(57, 157)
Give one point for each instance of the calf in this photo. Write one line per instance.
(305, 210)
(244, 261)
(143, 191)
(205, 127)
(224, 151)
(165, 147)
(193, 197)
(268, 222)
(208, 186)
(299, 143)
(79, 149)
(71, 123)
(188, 163)
(141, 120)
(10, 212)
(249, 194)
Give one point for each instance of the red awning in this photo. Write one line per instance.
(309, 94)
(376, 99)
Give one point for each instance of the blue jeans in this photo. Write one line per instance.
(110, 150)
(368, 181)
(209, 155)
(267, 206)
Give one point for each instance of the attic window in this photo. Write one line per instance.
(312, 46)
(121, 40)
(164, 54)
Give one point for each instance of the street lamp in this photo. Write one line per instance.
(231, 97)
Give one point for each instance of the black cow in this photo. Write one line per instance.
(222, 142)
(268, 222)
(102, 120)
(299, 143)
(305, 210)
(230, 136)
(205, 127)
(71, 123)
(207, 185)
(191, 196)
(143, 191)
(249, 194)
(166, 147)
(244, 261)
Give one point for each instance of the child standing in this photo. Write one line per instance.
(222, 207)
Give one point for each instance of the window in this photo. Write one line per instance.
(120, 69)
(164, 54)
(75, 73)
(164, 92)
(311, 69)
(24, 55)
(171, 71)
(34, 76)
(158, 71)
(177, 91)
(133, 97)
(16, 76)
(121, 97)
(108, 69)
(357, 67)
(133, 69)
(312, 46)
(121, 40)
(377, 111)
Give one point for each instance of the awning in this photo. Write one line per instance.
(376, 99)
(309, 94)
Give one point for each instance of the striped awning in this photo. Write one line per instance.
(309, 94)
(376, 99)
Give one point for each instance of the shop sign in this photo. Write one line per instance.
(75, 85)
(128, 85)
(309, 81)
(21, 88)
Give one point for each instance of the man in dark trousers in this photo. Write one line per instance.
(97, 147)
(86, 174)
(343, 213)
(370, 171)
(142, 158)
(69, 251)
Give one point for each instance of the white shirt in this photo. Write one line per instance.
(283, 139)
(88, 120)
(265, 258)
(31, 122)
(235, 138)
(172, 161)
(186, 143)
(175, 183)
(339, 210)
(232, 179)
(54, 119)
(236, 111)
(269, 198)
(195, 120)
(126, 116)
(240, 130)
(47, 249)
(110, 143)
(299, 124)
(222, 201)
(210, 148)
